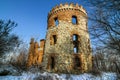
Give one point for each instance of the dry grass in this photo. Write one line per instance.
(20, 62)
(108, 64)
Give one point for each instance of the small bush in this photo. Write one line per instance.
(34, 69)
(40, 77)
(95, 72)
(4, 73)
(118, 76)
(20, 62)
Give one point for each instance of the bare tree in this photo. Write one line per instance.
(19, 61)
(7, 40)
(105, 26)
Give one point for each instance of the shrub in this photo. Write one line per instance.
(20, 61)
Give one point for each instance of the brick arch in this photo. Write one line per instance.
(51, 21)
(75, 32)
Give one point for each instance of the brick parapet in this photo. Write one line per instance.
(66, 7)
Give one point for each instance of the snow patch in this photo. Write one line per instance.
(53, 76)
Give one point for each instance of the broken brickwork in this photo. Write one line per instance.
(66, 48)
(35, 53)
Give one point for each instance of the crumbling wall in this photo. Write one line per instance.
(63, 48)
(67, 46)
(35, 53)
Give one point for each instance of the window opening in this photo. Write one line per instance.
(75, 37)
(76, 49)
(56, 21)
(54, 39)
(74, 19)
(75, 42)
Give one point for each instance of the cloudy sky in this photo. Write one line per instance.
(30, 15)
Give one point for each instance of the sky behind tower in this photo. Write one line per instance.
(30, 15)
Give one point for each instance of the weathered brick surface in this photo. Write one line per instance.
(35, 53)
(62, 51)
(56, 52)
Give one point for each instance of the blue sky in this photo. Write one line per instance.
(30, 15)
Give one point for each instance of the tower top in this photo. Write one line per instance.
(66, 6)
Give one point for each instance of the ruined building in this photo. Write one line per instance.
(35, 53)
(66, 48)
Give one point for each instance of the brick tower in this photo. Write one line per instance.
(67, 46)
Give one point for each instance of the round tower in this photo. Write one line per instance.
(67, 46)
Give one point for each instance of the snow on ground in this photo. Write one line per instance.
(52, 76)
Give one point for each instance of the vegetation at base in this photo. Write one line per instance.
(105, 29)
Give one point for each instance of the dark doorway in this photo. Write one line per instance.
(52, 62)
(77, 62)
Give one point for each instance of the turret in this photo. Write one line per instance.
(67, 45)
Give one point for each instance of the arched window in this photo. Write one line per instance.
(56, 21)
(74, 19)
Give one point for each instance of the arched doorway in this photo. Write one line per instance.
(51, 61)
(77, 63)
